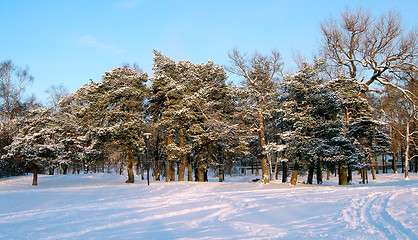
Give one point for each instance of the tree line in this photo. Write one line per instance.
(354, 102)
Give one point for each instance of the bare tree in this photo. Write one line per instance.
(370, 50)
(13, 81)
(260, 84)
(55, 94)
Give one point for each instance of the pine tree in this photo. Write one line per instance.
(189, 103)
(37, 142)
(112, 112)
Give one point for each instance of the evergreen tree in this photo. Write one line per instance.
(315, 133)
(112, 112)
(189, 103)
(36, 143)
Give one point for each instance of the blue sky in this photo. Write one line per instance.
(69, 42)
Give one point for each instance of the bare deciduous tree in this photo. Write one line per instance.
(55, 94)
(13, 81)
(371, 50)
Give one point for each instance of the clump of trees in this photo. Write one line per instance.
(355, 101)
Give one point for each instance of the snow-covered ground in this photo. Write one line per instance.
(102, 206)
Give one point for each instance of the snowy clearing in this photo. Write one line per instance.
(102, 206)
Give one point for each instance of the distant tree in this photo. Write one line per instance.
(260, 88)
(13, 106)
(402, 118)
(13, 81)
(55, 95)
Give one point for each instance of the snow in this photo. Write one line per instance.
(102, 206)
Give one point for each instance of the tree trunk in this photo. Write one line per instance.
(168, 162)
(310, 174)
(200, 168)
(157, 173)
(342, 175)
(367, 175)
(221, 173)
(295, 173)
(173, 171)
(64, 169)
(190, 170)
(394, 167)
(328, 173)
(276, 170)
(183, 157)
(319, 172)
(130, 168)
(137, 168)
(257, 170)
(264, 166)
(376, 164)
(363, 177)
(407, 153)
(205, 176)
(350, 175)
(285, 172)
(35, 171)
(372, 168)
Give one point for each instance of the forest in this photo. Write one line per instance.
(350, 109)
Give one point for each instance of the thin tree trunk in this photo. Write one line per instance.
(394, 167)
(376, 164)
(190, 170)
(168, 162)
(257, 170)
(183, 157)
(367, 175)
(294, 178)
(310, 174)
(221, 173)
(363, 176)
(276, 170)
(285, 171)
(200, 167)
(407, 153)
(264, 166)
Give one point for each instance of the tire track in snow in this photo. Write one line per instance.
(377, 214)
(370, 213)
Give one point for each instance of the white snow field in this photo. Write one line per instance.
(102, 206)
